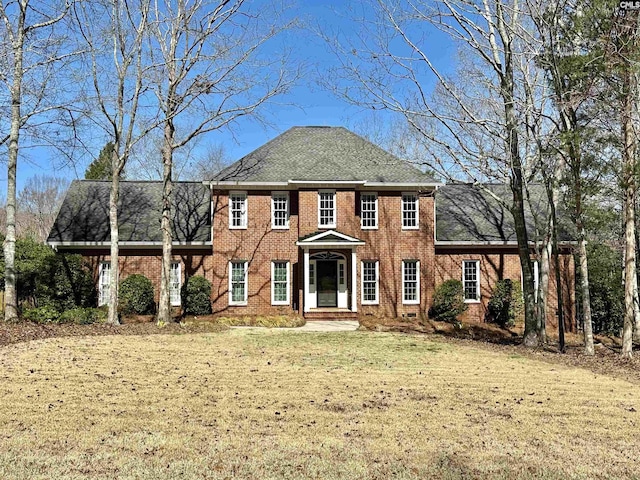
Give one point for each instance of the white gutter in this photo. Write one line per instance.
(128, 244)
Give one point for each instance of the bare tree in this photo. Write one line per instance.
(624, 59)
(118, 69)
(211, 71)
(38, 202)
(479, 125)
(32, 53)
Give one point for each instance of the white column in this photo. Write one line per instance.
(305, 267)
(354, 281)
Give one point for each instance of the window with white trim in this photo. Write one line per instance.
(409, 211)
(410, 282)
(280, 210)
(104, 285)
(175, 275)
(237, 283)
(369, 210)
(312, 274)
(326, 209)
(280, 283)
(471, 280)
(238, 210)
(370, 282)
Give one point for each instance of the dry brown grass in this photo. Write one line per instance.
(278, 404)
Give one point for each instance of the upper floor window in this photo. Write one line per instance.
(369, 210)
(238, 210)
(174, 279)
(326, 209)
(410, 281)
(409, 211)
(471, 280)
(280, 210)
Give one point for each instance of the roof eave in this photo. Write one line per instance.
(492, 243)
(251, 185)
(126, 245)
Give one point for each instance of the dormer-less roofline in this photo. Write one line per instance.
(296, 184)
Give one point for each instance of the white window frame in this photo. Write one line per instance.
(377, 282)
(174, 294)
(104, 289)
(245, 281)
(417, 299)
(335, 209)
(402, 210)
(375, 211)
(275, 195)
(243, 214)
(273, 278)
(479, 295)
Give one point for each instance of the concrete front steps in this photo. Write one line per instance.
(330, 314)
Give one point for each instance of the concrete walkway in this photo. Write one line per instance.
(317, 326)
(329, 326)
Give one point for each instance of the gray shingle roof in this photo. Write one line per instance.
(321, 154)
(467, 213)
(84, 214)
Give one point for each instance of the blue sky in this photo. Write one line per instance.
(306, 104)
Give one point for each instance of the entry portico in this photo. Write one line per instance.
(325, 270)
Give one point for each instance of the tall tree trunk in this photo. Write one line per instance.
(10, 281)
(114, 273)
(636, 300)
(164, 307)
(556, 261)
(531, 338)
(543, 289)
(628, 159)
(586, 298)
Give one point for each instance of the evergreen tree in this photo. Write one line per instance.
(100, 168)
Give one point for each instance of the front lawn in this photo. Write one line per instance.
(280, 404)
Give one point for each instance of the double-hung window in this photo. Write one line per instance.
(471, 280)
(409, 211)
(238, 282)
(174, 280)
(104, 277)
(369, 210)
(370, 281)
(326, 209)
(238, 210)
(280, 283)
(410, 282)
(280, 210)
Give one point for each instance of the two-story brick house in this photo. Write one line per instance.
(318, 222)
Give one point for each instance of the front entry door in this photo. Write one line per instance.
(327, 275)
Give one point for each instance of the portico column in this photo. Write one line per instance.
(305, 267)
(354, 281)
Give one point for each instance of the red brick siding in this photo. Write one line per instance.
(259, 245)
(149, 262)
(496, 264)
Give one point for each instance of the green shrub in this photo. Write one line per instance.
(448, 302)
(136, 295)
(45, 314)
(65, 282)
(83, 316)
(197, 296)
(506, 303)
